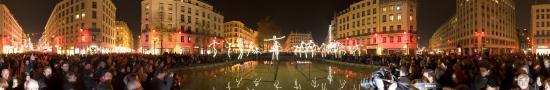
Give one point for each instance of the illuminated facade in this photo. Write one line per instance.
(294, 39)
(13, 39)
(540, 28)
(479, 26)
(124, 39)
(235, 31)
(178, 26)
(439, 42)
(378, 26)
(80, 27)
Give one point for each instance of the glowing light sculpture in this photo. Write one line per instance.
(311, 48)
(240, 46)
(228, 50)
(323, 49)
(302, 48)
(212, 46)
(275, 47)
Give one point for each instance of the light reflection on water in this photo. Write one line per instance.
(288, 73)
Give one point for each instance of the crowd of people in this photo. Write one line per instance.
(39, 71)
(462, 72)
(47, 71)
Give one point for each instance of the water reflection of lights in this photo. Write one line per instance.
(249, 65)
(344, 78)
(268, 62)
(303, 62)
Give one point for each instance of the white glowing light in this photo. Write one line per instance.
(314, 83)
(257, 82)
(212, 46)
(240, 46)
(311, 48)
(276, 85)
(228, 50)
(324, 50)
(275, 47)
(329, 77)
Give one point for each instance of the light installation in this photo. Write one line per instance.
(301, 49)
(240, 48)
(275, 48)
(324, 50)
(311, 48)
(212, 46)
(228, 49)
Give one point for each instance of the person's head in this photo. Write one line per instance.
(47, 72)
(524, 69)
(484, 72)
(523, 81)
(3, 84)
(71, 77)
(484, 69)
(87, 66)
(428, 74)
(5, 74)
(403, 71)
(65, 67)
(547, 84)
(161, 75)
(546, 63)
(132, 82)
(31, 84)
(106, 77)
(102, 64)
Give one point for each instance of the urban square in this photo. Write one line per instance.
(275, 44)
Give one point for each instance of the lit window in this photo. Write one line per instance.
(410, 18)
(83, 15)
(398, 17)
(391, 17)
(77, 16)
(384, 9)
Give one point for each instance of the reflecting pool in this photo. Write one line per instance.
(275, 75)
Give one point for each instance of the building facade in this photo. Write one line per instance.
(439, 42)
(295, 39)
(13, 39)
(124, 38)
(540, 28)
(178, 26)
(238, 35)
(479, 26)
(378, 26)
(80, 27)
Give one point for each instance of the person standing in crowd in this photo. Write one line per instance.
(162, 81)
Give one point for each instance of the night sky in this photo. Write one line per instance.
(292, 15)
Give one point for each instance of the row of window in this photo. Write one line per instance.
(542, 24)
(543, 16)
(182, 39)
(373, 30)
(368, 3)
(542, 10)
(543, 32)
